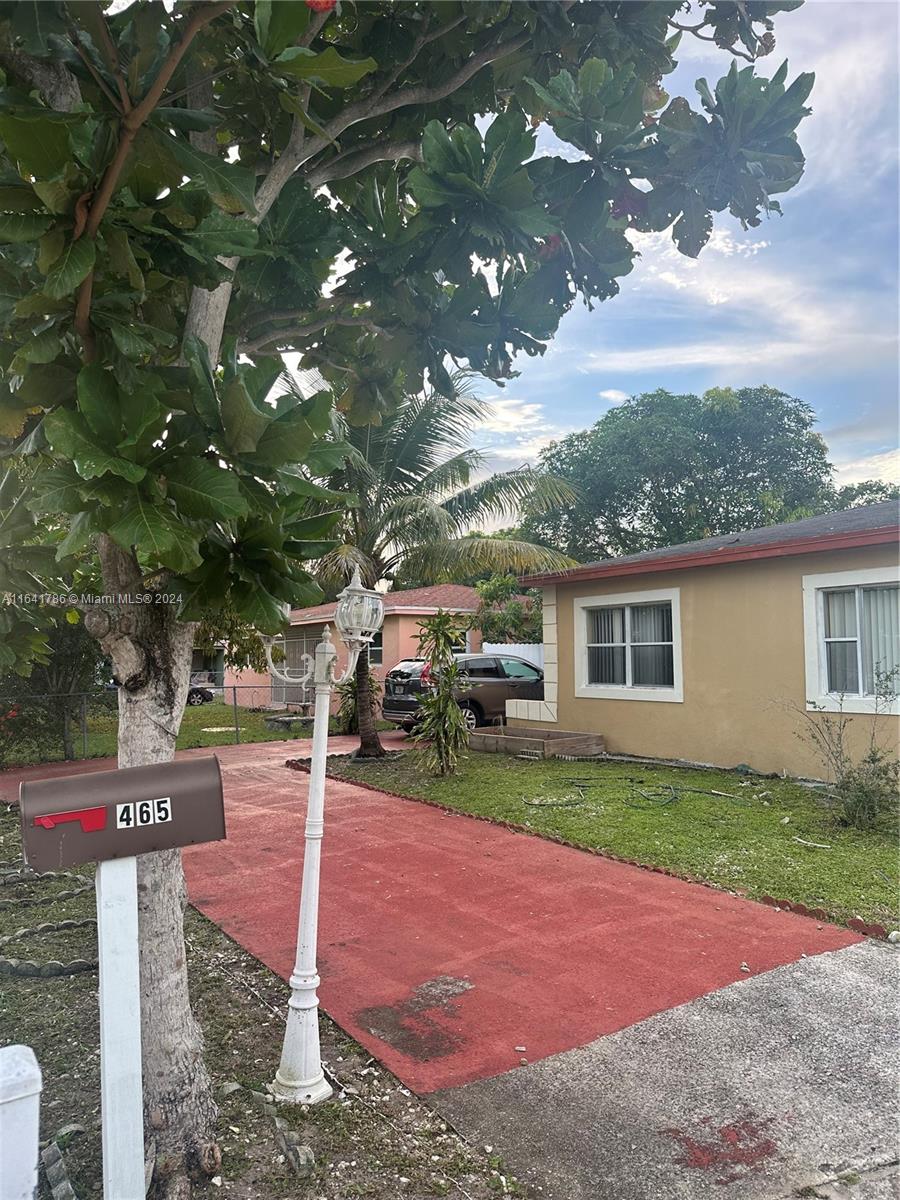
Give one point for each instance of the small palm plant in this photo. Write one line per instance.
(442, 726)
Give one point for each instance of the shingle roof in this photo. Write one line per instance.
(455, 597)
(869, 524)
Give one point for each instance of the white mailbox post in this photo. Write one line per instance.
(20, 1114)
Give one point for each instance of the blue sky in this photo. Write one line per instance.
(806, 303)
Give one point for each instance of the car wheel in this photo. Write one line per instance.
(195, 698)
(471, 716)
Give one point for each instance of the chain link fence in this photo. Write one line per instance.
(55, 726)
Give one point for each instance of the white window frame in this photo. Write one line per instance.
(379, 649)
(814, 588)
(673, 694)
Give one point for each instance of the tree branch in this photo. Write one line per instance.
(420, 94)
(95, 74)
(111, 55)
(352, 161)
(306, 330)
(130, 124)
(695, 30)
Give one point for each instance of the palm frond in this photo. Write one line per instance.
(440, 561)
(504, 494)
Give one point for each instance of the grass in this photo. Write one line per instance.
(745, 842)
(209, 724)
(366, 1141)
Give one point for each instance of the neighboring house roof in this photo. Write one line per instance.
(869, 525)
(452, 597)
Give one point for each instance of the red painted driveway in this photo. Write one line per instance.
(446, 943)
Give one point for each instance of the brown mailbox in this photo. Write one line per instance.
(115, 814)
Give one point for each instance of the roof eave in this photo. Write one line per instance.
(712, 558)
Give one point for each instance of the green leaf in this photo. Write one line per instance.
(22, 227)
(80, 530)
(41, 348)
(292, 105)
(121, 257)
(201, 489)
(226, 235)
(230, 185)
(98, 402)
(243, 422)
(153, 533)
(33, 21)
(287, 439)
(56, 490)
(257, 607)
(278, 24)
(327, 68)
(39, 144)
(75, 264)
(203, 389)
(50, 248)
(69, 435)
(692, 229)
(18, 197)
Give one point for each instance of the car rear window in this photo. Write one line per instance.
(408, 666)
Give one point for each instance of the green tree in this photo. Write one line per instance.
(416, 488)
(505, 613)
(165, 234)
(662, 469)
(869, 491)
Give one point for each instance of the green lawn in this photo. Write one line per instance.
(209, 724)
(745, 842)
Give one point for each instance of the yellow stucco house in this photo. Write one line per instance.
(698, 652)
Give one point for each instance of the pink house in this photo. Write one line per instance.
(397, 640)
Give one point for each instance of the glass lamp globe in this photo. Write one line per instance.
(358, 614)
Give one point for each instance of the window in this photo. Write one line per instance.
(376, 649)
(628, 647)
(631, 645)
(480, 668)
(851, 630)
(861, 634)
(514, 668)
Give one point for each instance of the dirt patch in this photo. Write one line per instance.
(413, 1026)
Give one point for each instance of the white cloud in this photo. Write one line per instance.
(777, 315)
(884, 466)
(613, 395)
(509, 416)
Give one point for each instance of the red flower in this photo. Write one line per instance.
(321, 5)
(551, 247)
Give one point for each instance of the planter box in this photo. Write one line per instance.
(543, 743)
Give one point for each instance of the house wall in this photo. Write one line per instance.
(402, 640)
(743, 660)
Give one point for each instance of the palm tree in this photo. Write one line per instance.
(415, 479)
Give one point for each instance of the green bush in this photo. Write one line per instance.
(442, 727)
(866, 793)
(347, 716)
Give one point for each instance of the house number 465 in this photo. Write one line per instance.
(143, 812)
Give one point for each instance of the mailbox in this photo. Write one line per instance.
(116, 814)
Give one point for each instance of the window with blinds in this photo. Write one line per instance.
(861, 636)
(631, 645)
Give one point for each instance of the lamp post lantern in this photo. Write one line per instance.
(358, 617)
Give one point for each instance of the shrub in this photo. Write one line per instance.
(864, 792)
(442, 727)
(347, 716)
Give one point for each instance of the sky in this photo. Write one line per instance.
(806, 303)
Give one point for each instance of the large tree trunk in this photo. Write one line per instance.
(369, 742)
(151, 655)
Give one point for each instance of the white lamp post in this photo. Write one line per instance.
(358, 617)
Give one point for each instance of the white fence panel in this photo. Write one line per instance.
(20, 1098)
(532, 651)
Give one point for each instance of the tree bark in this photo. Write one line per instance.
(151, 656)
(369, 742)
